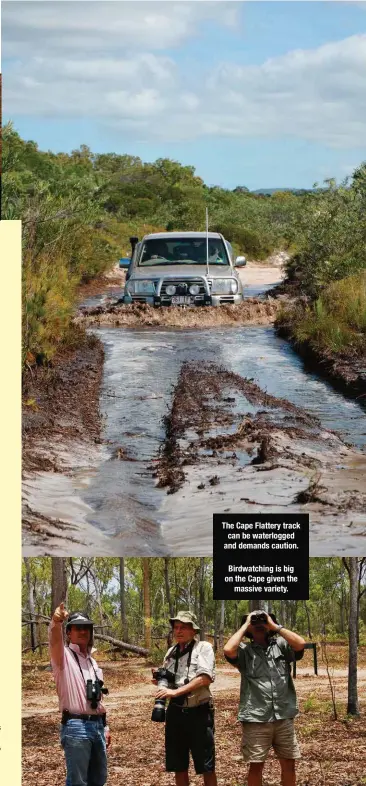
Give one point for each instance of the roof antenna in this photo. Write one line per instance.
(207, 264)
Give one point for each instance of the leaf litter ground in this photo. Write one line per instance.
(333, 752)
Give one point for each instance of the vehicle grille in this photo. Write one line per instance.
(182, 286)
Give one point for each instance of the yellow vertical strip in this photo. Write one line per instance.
(10, 518)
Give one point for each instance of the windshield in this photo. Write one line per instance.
(183, 251)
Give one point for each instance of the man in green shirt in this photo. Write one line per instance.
(268, 703)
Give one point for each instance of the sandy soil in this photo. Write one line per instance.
(258, 275)
(333, 752)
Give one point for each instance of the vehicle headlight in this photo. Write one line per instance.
(194, 289)
(224, 286)
(141, 287)
(171, 289)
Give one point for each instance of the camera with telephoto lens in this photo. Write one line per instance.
(259, 619)
(94, 692)
(165, 679)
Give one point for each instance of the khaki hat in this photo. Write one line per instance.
(185, 616)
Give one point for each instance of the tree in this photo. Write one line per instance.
(167, 586)
(201, 606)
(352, 566)
(222, 625)
(123, 598)
(147, 606)
(94, 585)
(33, 628)
(59, 582)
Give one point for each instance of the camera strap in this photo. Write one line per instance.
(81, 671)
(177, 653)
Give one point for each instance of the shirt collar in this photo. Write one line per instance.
(186, 649)
(270, 642)
(75, 648)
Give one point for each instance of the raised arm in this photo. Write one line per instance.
(231, 647)
(296, 642)
(55, 637)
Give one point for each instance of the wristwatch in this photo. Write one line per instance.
(279, 627)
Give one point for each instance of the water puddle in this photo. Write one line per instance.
(117, 500)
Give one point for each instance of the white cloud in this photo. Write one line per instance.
(106, 26)
(106, 61)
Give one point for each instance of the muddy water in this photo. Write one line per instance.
(141, 368)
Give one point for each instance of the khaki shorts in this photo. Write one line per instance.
(258, 738)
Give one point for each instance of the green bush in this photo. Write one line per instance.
(336, 321)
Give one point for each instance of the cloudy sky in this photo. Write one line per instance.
(262, 94)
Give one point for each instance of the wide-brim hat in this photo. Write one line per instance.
(188, 617)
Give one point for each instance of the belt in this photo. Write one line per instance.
(186, 708)
(72, 716)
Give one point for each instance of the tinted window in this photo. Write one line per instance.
(180, 251)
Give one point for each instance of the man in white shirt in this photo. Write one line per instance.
(189, 727)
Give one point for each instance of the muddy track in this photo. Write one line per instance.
(218, 418)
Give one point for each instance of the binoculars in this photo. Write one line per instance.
(259, 619)
(94, 691)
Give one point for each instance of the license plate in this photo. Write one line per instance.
(182, 300)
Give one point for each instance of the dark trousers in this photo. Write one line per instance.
(190, 731)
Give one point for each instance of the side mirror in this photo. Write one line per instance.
(125, 262)
(240, 262)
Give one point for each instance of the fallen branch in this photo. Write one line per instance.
(122, 645)
(36, 646)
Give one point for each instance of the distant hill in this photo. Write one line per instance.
(270, 191)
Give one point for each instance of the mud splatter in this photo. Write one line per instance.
(251, 311)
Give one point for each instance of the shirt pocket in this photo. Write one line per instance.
(281, 665)
(256, 667)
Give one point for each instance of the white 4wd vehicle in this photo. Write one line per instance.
(184, 269)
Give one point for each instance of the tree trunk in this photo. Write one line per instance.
(167, 587)
(216, 624)
(352, 705)
(122, 645)
(33, 627)
(293, 614)
(98, 599)
(201, 614)
(283, 619)
(147, 606)
(222, 625)
(123, 598)
(342, 610)
(308, 619)
(236, 615)
(59, 583)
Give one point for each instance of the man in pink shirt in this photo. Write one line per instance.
(85, 735)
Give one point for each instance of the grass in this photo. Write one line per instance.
(336, 322)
